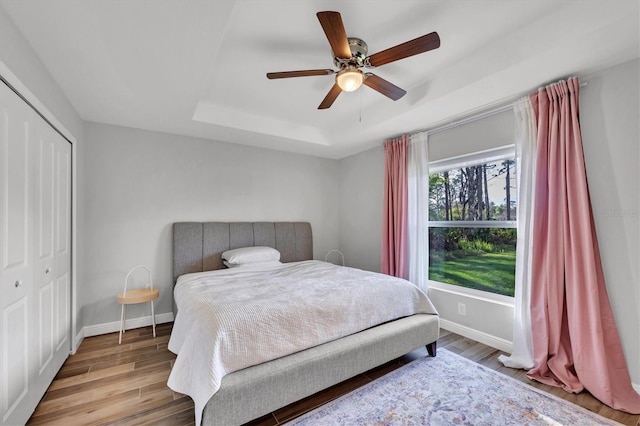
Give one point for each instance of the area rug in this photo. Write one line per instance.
(448, 390)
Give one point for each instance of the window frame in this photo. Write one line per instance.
(458, 162)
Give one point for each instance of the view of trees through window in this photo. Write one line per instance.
(472, 235)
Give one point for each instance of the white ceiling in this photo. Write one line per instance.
(197, 67)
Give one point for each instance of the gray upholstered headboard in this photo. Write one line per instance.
(198, 246)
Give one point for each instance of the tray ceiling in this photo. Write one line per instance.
(198, 68)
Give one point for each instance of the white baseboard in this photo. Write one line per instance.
(77, 340)
(488, 339)
(478, 336)
(111, 327)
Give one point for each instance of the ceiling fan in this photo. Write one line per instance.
(350, 55)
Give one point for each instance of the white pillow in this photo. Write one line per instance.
(253, 265)
(250, 255)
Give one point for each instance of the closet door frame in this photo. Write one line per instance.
(75, 336)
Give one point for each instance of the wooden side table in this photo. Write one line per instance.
(141, 295)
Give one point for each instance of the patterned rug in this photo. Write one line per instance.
(448, 390)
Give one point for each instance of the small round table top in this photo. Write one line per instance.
(138, 296)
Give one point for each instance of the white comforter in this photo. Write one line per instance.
(235, 318)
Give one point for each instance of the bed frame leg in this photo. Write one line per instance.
(431, 349)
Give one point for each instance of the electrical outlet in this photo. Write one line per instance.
(462, 309)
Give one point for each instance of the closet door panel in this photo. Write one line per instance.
(44, 234)
(45, 208)
(63, 199)
(16, 210)
(46, 337)
(53, 251)
(16, 374)
(62, 315)
(18, 308)
(16, 203)
(62, 240)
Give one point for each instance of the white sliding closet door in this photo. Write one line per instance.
(35, 256)
(52, 250)
(16, 259)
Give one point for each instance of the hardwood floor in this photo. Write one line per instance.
(109, 384)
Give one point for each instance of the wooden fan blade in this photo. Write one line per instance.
(334, 30)
(331, 97)
(302, 73)
(381, 85)
(413, 47)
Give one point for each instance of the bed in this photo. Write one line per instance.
(256, 390)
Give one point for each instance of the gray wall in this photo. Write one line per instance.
(609, 111)
(16, 53)
(139, 182)
(19, 57)
(609, 117)
(361, 198)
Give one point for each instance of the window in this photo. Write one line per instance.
(472, 221)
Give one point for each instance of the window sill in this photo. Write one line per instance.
(472, 293)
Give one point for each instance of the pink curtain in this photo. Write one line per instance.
(394, 226)
(575, 340)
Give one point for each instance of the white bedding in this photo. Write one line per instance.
(235, 318)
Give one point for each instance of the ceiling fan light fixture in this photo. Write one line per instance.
(349, 79)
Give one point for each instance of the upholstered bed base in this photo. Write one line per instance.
(255, 391)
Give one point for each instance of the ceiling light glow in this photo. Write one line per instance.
(349, 79)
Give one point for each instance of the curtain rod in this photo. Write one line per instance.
(478, 114)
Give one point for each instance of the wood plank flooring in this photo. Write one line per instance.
(109, 384)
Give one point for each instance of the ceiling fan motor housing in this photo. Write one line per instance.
(359, 51)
